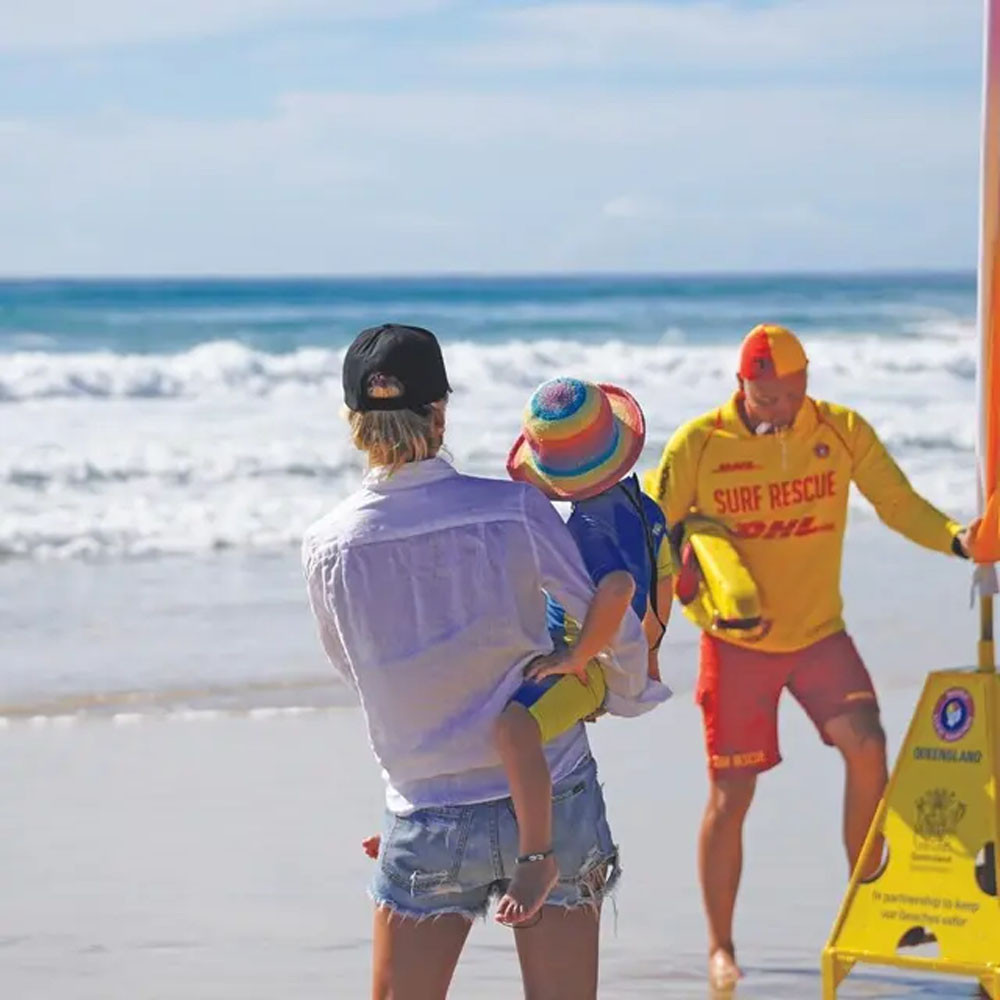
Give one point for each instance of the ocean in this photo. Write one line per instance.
(185, 783)
(150, 419)
(165, 439)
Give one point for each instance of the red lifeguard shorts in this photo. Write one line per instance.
(738, 691)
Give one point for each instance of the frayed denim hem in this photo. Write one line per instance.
(596, 882)
(394, 909)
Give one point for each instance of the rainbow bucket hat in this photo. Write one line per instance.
(578, 439)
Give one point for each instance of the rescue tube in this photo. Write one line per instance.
(713, 585)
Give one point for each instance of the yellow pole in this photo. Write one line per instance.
(987, 656)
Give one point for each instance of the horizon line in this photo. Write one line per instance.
(303, 276)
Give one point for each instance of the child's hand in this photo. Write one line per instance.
(653, 665)
(561, 661)
(371, 845)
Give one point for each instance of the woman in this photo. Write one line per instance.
(427, 587)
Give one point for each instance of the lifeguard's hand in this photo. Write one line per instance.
(964, 538)
(561, 661)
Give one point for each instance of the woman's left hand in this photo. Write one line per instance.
(561, 661)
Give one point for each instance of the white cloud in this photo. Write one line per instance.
(68, 24)
(461, 178)
(631, 208)
(415, 223)
(723, 36)
(428, 181)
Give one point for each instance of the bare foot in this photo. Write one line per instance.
(527, 891)
(723, 972)
(371, 845)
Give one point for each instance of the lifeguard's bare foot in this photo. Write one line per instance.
(533, 880)
(723, 972)
(371, 845)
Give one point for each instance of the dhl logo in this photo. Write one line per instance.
(736, 467)
(793, 527)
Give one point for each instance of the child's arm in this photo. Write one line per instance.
(654, 628)
(604, 616)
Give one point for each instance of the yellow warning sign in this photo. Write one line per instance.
(938, 878)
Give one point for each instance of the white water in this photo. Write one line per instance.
(225, 447)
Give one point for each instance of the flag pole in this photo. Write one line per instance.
(987, 653)
(988, 322)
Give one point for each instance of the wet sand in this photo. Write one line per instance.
(216, 856)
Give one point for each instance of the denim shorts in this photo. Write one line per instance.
(457, 859)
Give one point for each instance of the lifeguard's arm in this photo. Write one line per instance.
(888, 490)
(673, 484)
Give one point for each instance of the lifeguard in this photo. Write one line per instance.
(774, 466)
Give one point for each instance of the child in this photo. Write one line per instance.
(579, 443)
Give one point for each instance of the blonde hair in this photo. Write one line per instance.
(392, 438)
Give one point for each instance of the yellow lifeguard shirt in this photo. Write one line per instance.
(784, 497)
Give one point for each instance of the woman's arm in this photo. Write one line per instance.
(328, 634)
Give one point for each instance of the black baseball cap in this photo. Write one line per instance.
(409, 354)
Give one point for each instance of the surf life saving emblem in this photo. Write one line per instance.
(953, 714)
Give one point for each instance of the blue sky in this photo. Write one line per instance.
(387, 136)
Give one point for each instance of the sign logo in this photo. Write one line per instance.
(939, 812)
(736, 467)
(770, 530)
(822, 450)
(953, 714)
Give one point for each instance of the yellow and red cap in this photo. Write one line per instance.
(771, 351)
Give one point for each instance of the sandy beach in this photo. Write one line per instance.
(213, 855)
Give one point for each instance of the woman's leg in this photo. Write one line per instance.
(559, 954)
(415, 959)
